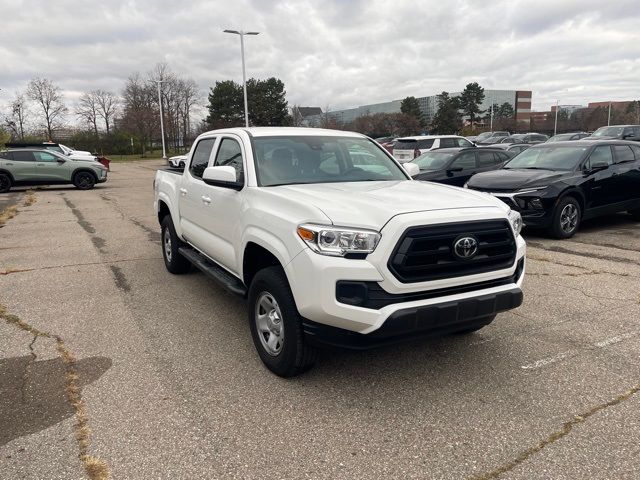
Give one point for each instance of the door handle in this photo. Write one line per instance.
(206, 200)
(7, 164)
(183, 192)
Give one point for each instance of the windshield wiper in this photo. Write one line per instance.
(530, 168)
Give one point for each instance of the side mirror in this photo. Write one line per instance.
(597, 166)
(411, 168)
(628, 135)
(224, 176)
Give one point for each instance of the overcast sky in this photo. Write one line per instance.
(336, 53)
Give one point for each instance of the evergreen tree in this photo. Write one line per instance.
(447, 118)
(470, 100)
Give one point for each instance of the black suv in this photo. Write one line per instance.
(454, 166)
(557, 185)
(617, 132)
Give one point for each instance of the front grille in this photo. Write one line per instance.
(426, 253)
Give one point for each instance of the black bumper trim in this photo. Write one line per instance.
(418, 322)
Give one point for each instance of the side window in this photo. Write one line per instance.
(623, 153)
(230, 154)
(466, 161)
(329, 164)
(463, 142)
(501, 157)
(486, 159)
(23, 156)
(636, 151)
(425, 144)
(5, 155)
(448, 143)
(44, 157)
(600, 154)
(200, 158)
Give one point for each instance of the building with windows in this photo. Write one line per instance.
(520, 100)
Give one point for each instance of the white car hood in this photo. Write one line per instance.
(373, 204)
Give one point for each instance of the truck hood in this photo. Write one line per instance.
(373, 204)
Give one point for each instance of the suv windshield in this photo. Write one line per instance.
(316, 159)
(548, 158)
(608, 132)
(483, 135)
(433, 160)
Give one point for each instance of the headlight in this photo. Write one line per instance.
(337, 241)
(516, 221)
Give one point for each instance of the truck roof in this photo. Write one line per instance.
(289, 131)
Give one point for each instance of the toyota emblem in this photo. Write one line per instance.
(465, 247)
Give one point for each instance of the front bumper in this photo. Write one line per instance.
(102, 179)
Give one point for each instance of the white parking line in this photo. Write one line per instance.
(617, 339)
(549, 360)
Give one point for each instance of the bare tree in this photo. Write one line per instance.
(18, 115)
(107, 106)
(50, 100)
(87, 110)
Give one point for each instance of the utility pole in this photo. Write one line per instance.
(164, 151)
(242, 33)
(609, 116)
(555, 125)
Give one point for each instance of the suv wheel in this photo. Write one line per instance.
(84, 180)
(5, 182)
(566, 218)
(173, 260)
(276, 325)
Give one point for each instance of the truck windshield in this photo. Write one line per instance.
(288, 160)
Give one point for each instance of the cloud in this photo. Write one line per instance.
(335, 53)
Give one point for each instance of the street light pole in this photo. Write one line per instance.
(242, 33)
(164, 151)
(609, 116)
(555, 125)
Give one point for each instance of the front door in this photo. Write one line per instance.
(50, 168)
(461, 169)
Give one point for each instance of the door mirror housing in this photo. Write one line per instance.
(411, 168)
(222, 176)
(597, 166)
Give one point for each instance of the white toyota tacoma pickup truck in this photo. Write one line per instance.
(333, 243)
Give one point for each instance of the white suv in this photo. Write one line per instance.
(408, 148)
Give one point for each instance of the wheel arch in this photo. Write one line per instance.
(575, 193)
(256, 257)
(84, 169)
(7, 172)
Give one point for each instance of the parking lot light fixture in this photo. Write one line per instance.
(164, 151)
(241, 34)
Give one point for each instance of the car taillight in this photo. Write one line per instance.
(416, 153)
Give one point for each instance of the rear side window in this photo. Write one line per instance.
(200, 158)
(636, 151)
(487, 159)
(409, 144)
(623, 153)
(22, 156)
(5, 155)
(463, 142)
(448, 143)
(230, 154)
(465, 161)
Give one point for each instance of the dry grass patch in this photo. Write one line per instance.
(7, 214)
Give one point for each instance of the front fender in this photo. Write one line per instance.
(271, 243)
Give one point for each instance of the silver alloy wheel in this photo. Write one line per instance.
(269, 324)
(167, 244)
(569, 218)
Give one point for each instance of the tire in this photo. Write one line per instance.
(566, 218)
(173, 260)
(84, 180)
(270, 298)
(5, 183)
(486, 321)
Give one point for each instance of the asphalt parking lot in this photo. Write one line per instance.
(172, 387)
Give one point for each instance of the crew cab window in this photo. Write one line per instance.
(487, 159)
(623, 153)
(600, 154)
(465, 161)
(23, 156)
(230, 154)
(200, 158)
(44, 157)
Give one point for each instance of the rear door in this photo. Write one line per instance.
(49, 169)
(627, 173)
(22, 165)
(600, 188)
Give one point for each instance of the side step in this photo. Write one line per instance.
(214, 271)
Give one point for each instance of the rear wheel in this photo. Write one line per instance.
(5, 183)
(566, 218)
(84, 180)
(276, 325)
(173, 260)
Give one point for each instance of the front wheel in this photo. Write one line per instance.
(566, 218)
(276, 325)
(84, 180)
(5, 182)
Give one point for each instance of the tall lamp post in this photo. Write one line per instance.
(555, 125)
(164, 151)
(242, 33)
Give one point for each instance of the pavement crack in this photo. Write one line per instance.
(599, 256)
(9, 271)
(27, 370)
(121, 280)
(96, 468)
(97, 241)
(565, 430)
(573, 265)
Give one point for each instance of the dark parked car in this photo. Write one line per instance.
(489, 138)
(557, 185)
(562, 137)
(529, 138)
(511, 148)
(617, 132)
(454, 166)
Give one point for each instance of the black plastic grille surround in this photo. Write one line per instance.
(426, 253)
